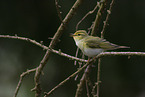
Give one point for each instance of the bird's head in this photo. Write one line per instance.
(80, 34)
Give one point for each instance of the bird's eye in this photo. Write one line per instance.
(79, 34)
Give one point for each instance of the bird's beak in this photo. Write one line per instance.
(71, 35)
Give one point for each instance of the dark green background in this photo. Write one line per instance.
(38, 20)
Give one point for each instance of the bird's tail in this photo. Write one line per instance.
(123, 47)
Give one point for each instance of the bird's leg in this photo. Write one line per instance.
(89, 58)
(93, 60)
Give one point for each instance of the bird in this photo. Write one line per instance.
(91, 45)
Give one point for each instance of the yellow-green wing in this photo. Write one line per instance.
(96, 42)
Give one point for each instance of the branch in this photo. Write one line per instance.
(98, 17)
(87, 88)
(21, 79)
(59, 32)
(90, 12)
(43, 46)
(93, 89)
(107, 18)
(63, 82)
(72, 57)
(103, 54)
(101, 4)
(113, 54)
(68, 56)
(98, 77)
(25, 39)
(120, 54)
(102, 36)
(58, 11)
(82, 81)
(76, 55)
(98, 56)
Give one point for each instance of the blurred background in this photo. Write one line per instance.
(38, 20)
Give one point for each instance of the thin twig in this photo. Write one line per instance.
(43, 46)
(58, 10)
(98, 16)
(81, 84)
(107, 18)
(64, 81)
(71, 57)
(87, 88)
(89, 29)
(98, 77)
(102, 36)
(25, 39)
(83, 80)
(98, 56)
(21, 79)
(77, 51)
(120, 54)
(90, 12)
(68, 56)
(93, 90)
(55, 39)
(101, 4)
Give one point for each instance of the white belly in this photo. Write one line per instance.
(92, 52)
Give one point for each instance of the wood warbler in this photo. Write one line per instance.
(92, 46)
